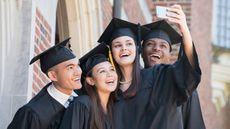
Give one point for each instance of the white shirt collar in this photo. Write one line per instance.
(59, 96)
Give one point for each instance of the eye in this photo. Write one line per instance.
(101, 71)
(70, 67)
(129, 44)
(149, 44)
(112, 69)
(116, 44)
(163, 46)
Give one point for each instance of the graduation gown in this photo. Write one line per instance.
(162, 89)
(78, 115)
(192, 115)
(42, 112)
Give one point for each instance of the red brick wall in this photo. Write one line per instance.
(42, 41)
(106, 12)
(133, 11)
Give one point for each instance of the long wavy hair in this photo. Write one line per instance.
(136, 77)
(98, 116)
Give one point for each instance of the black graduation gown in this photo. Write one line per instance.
(163, 88)
(192, 114)
(78, 115)
(42, 112)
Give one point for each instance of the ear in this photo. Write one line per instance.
(90, 81)
(52, 75)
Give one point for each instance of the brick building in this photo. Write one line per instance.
(29, 27)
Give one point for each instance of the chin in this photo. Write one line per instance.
(77, 87)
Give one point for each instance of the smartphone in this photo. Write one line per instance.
(161, 12)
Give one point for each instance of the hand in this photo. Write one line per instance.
(177, 16)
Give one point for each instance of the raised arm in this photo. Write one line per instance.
(178, 17)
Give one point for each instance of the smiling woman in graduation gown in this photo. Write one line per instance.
(95, 110)
(161, 89)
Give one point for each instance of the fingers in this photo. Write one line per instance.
(173, 20)
(175, 9)
(176, 6)
(173, 15)
(176, 15)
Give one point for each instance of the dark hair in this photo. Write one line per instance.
(136, 77)
(98, 117)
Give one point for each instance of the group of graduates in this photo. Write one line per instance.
(108, 89)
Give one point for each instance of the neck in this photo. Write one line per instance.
(127, 77)
(64, 91)
(104, 98)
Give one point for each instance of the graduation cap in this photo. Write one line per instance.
(161, 29)
(118, 27)
(54, 55)
(95, 56)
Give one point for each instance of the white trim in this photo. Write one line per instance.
(2, 46)
(111, 2)
(32, 45)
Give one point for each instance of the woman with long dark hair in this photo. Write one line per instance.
(147, 97)
(95, 110)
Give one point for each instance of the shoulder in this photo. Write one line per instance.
(83, 100)
(155, 69)
(41, 98)
(43, 103)
(148, 75)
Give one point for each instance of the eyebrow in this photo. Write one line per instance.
(128, 40)
(69, 65)
(100, 69)
(116, 42)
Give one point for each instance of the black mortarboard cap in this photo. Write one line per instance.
(54, 55)
(118, 27)
(95, 56)
(161, 29)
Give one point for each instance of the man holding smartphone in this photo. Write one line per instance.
(156, 50)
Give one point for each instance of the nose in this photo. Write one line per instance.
(109, 73)
(124, 47)
(78, 70)
(156, 47)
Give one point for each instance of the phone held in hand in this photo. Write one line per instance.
(161, 12)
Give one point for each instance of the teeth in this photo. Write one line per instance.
(110, 81)
(125, 54)
(155, 55)
(76, 79)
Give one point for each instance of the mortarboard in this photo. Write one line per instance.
(118, 27)
(89, 60)
(95, 56)
(161, 29)
(54, 55)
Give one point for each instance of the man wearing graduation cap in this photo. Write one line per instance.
(156, 50)
(46, 109)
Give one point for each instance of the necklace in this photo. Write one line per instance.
(125, 82)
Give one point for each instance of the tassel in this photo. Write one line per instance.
(111, 59)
